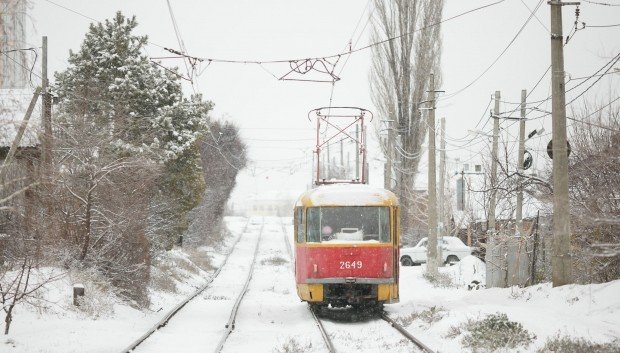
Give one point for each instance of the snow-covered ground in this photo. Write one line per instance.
(272, 319)
(588, 311)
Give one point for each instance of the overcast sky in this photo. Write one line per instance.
(272, 114)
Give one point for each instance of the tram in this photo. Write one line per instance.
(347, 232)
(347, 246)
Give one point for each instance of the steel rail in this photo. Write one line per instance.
(319, 324)
(406, 333)
(326, 339)
(230, 325)
(164, 321)
(287, 242)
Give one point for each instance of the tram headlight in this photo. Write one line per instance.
(316, 268)
(385, 268)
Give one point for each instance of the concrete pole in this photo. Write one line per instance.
(493, 201)
(442, 180)
(357, 152)
(519, 211)
(389, 156)
(561, 262)
(431, 250)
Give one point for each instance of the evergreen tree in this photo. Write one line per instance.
(126, 139)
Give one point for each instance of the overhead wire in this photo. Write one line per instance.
(501, 54)
(177, 32)
(90, 18)
(600, 3)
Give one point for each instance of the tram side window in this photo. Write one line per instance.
(383, 220)
(313, 222)
(299, 224)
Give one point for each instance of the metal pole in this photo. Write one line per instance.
(431, 250)
(561, 262)
(519, 211)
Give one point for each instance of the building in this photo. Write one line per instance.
(14, 67)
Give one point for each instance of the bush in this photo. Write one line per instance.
(274, 261)
(493, 332)
(568, 344)
(292, 346)
(429, 316)
(442, 280)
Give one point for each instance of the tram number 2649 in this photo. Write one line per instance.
(350, 264)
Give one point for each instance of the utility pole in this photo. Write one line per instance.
(519, 212)
(431, 250)
(341, 167)
(493, 201)
(387, 184)
(329, 164)
(442, 181)
(46, 118)
(562, 260)
(495, 270)
(357, 152)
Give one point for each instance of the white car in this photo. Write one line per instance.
(452, 250)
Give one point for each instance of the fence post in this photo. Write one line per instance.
(78, 291)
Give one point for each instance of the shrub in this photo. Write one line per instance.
(429, 316)
(274, 261)
(568, 344)
(493, 332)
(442, 280)
(292, 346)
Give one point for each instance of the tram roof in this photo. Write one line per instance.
(347, 195)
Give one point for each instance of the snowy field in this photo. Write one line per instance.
(272, 319)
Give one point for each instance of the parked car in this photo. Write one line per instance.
(452, 250)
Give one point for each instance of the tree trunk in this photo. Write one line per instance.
(87, 222)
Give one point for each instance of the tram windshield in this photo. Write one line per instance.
(351, 224)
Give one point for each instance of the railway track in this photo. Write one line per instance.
(172, 312)
(325, 335)
(230, 325)
(406, 333)
(330, 346)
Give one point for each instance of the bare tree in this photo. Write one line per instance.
(399, 81)
(223, 154)
(594, 181)
(100, 199)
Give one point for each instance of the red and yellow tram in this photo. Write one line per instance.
(347, 245)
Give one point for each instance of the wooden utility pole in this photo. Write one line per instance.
(20, 132)
(562, 260)
(442, 181)
(519, 212)
(46, 117)
(431, 249)
(493, 201)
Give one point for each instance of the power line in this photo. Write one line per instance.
(617, 58)
(510, 43)
(177, 32)
(600, 3)
(603, 26)
(88, 17)
(332, 56)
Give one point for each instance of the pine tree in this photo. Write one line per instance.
(126, 139)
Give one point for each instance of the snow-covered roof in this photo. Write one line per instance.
(347, 195)
(13, 106)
